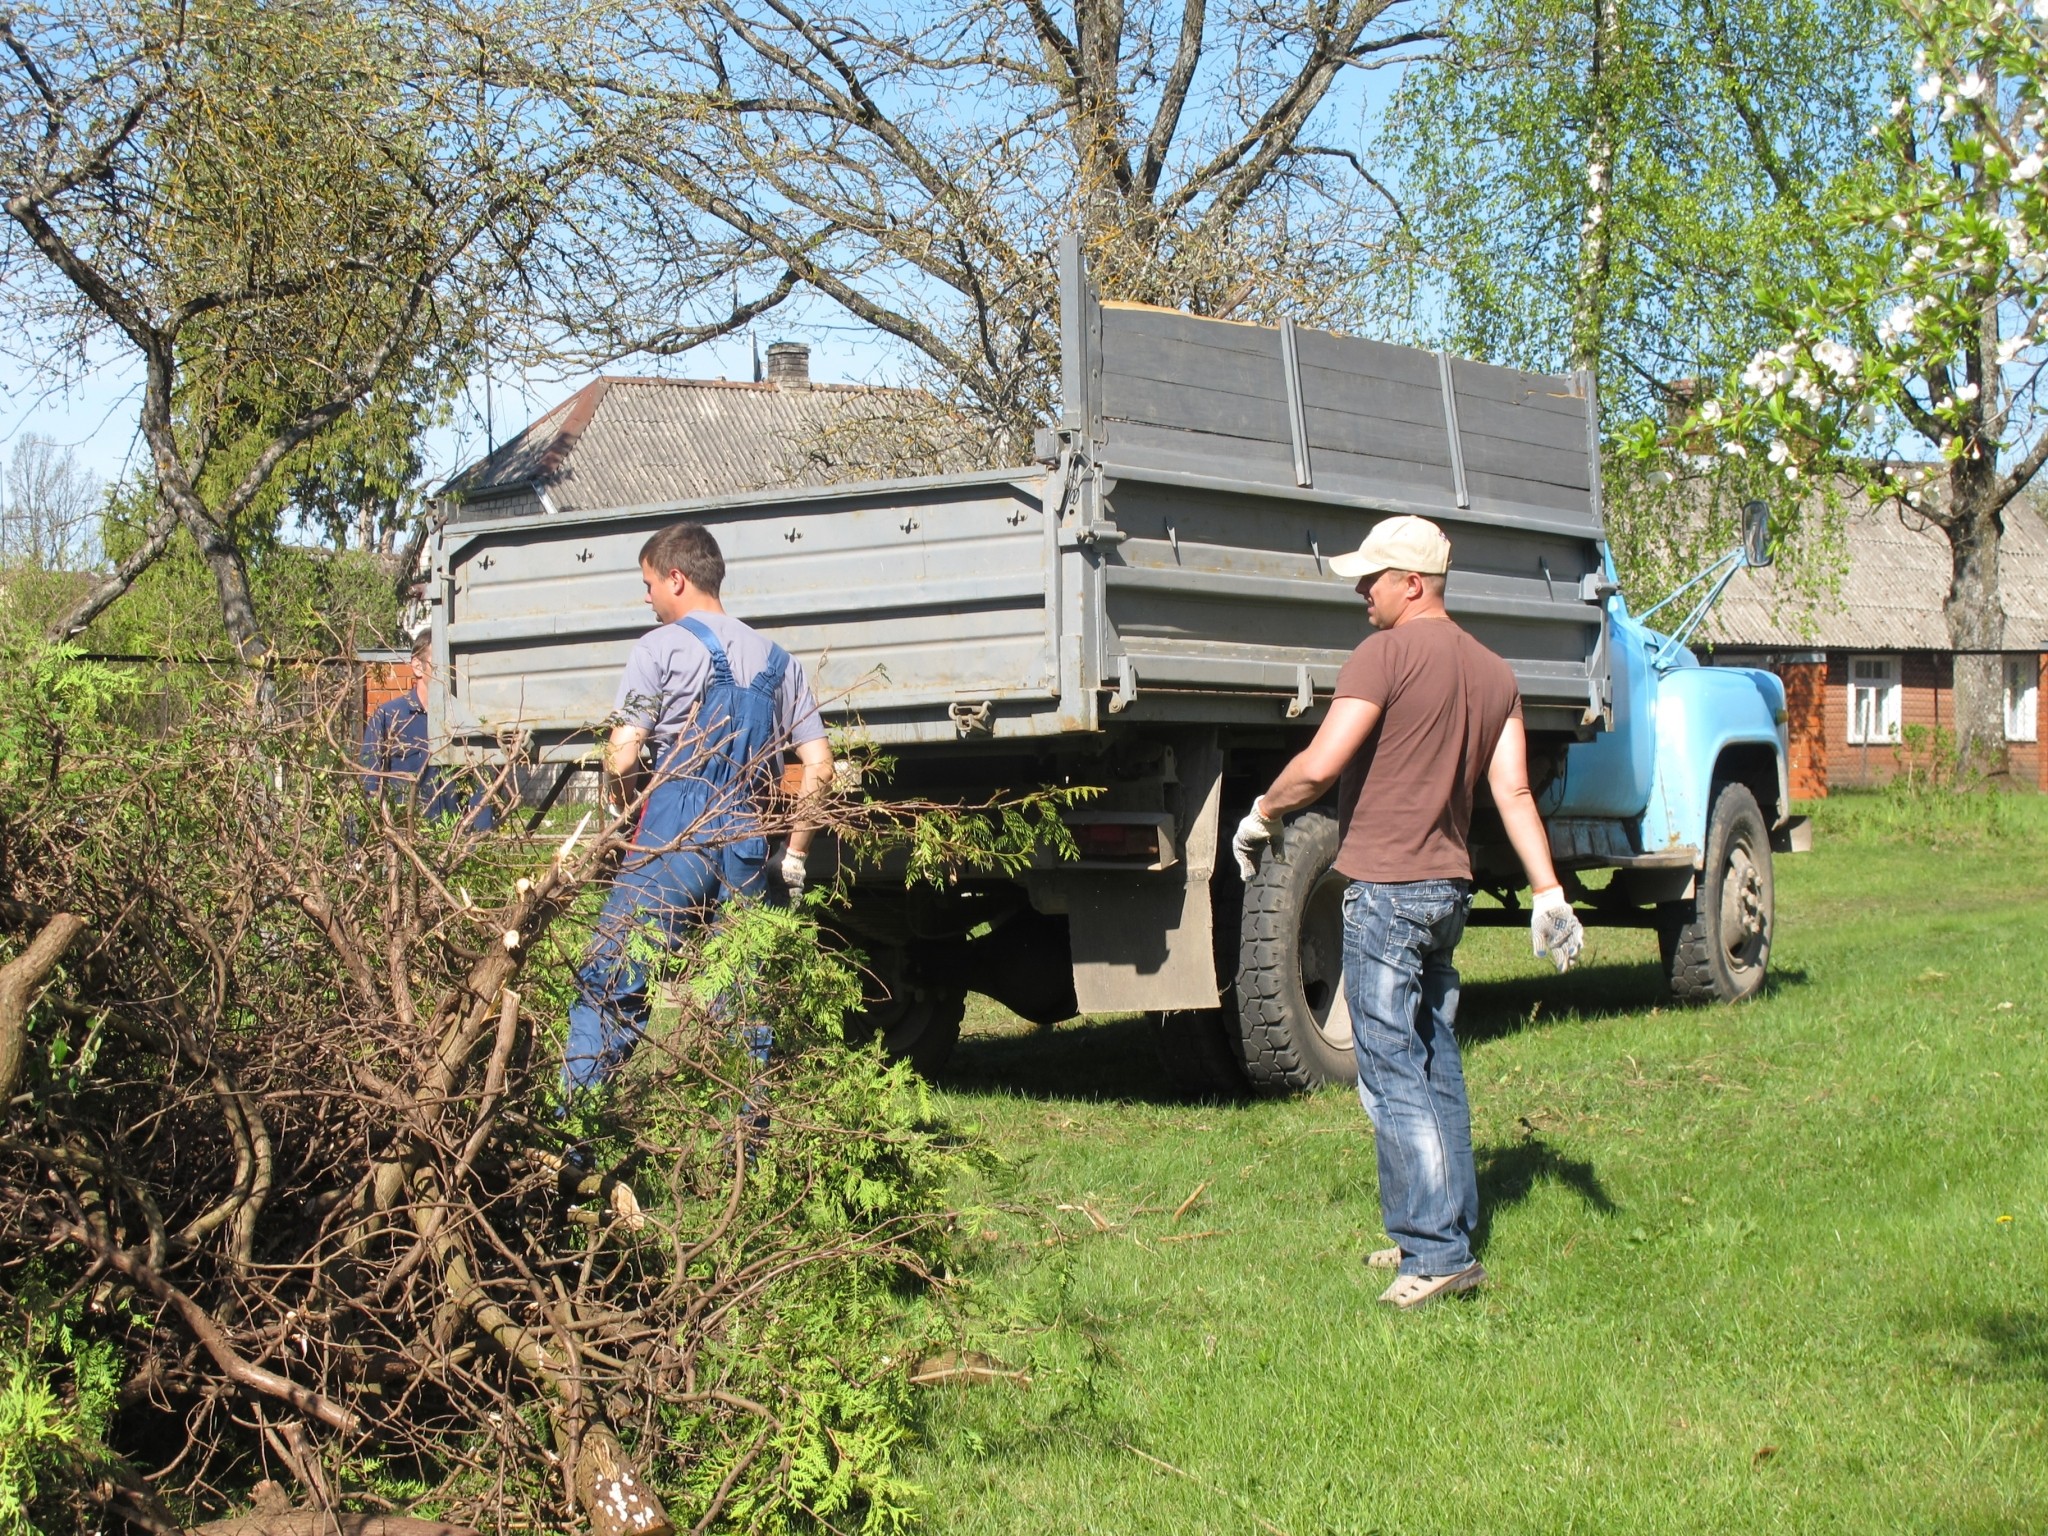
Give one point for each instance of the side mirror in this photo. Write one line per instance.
(1756, 533)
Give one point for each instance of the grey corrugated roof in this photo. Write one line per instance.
(1892, 590)
(624, 442)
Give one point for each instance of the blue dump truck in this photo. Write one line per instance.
(1148, 610)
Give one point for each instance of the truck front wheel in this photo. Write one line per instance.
(1718, 945)
(1291, 1013)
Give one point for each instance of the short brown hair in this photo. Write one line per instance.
(423, 645)
(689, 548)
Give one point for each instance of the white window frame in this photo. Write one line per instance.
(1880, 721)
(2022, 698)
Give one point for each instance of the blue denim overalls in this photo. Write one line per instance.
(699, 843)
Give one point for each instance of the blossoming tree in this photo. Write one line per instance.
(1917, 372)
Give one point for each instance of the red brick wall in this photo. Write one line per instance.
(384, 681)
(1806, 694)
(1926, 699)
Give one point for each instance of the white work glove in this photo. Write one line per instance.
(1253, 833)
(1554, 928)
(793, 873)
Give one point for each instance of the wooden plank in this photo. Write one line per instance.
(1536, 493)
(1178, 359)
(1340, 465)
(1154, 396)
(1193, 409)
(1378, 438)
(1376, 399)
(1213, 453)
(1552, 466)
(1512, 386)
(1521, 424)
(1123, 328)
(1357, 357)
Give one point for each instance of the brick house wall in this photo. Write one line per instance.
(1806, 726)
(384, 681)
(1926, 700)
(385, 675)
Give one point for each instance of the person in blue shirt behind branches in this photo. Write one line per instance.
(718, 703)
(395, 756)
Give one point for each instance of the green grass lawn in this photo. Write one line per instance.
(1770, 1268)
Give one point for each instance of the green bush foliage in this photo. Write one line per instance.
(293, 1100)
(58, 1386)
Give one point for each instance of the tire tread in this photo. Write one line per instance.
(1273, 1062)
(1687, 937)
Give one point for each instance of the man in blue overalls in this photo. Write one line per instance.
(721, 702)
(395, 753)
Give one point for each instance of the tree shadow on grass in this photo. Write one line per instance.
(1113, 1060)
(1492, 1010)
(1095, 1060)
(2017, 1340)
(1509, 1174)
(1985, 1344)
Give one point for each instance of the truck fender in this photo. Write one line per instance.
(1714, 725)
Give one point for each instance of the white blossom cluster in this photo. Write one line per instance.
(1965, 240)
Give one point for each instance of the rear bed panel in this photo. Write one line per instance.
(1174, 565)
(897, 598)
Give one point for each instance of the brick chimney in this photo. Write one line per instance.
(789, 365)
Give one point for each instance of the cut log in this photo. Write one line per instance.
(311, 1522)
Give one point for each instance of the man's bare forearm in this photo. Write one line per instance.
(1296, 787)
(816, 758)
(1528, 838)
(623, 774)
(1311, 771)
(1508, 777)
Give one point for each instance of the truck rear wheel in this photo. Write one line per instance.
(1293, 1021)
(918, 1021)
(1198, 1052)
(1718, 945)
(928, 1030)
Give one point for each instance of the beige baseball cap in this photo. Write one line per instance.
(1398, 544)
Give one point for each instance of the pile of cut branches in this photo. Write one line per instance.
(280, 1066)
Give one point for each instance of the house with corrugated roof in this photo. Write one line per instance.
(641, 442)
(1869, 673)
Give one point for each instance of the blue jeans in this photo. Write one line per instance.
(679, 892)
(674, 891)
(1403, 992)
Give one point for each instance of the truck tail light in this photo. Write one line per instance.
(1121, 840)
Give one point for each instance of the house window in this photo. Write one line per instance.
(2022, 681)
(1873, 699)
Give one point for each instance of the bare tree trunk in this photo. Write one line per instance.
(231, 585)
(175, 489)
(1589, 297)
(1975, 525)
(19, 979)
(1976, 617)
(120, 579)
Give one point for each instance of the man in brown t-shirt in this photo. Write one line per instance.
(1422, 712)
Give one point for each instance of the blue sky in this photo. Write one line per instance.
(96, 416)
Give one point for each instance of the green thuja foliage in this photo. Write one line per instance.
(57, 1395)
(811, 1191)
